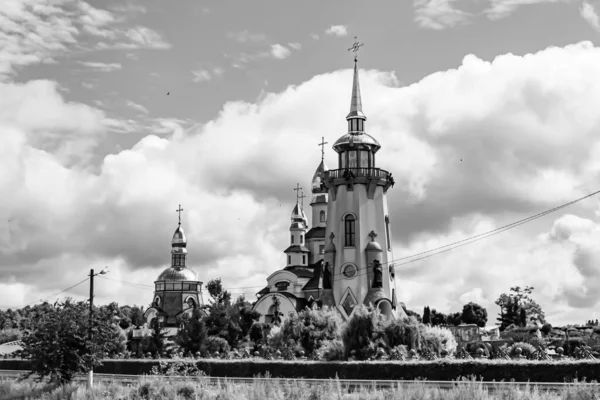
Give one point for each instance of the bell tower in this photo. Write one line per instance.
(359, 252)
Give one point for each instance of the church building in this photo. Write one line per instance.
(177, 290)
(345, 258)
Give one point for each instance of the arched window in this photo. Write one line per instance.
(387, 232)
(322, 216)
(350, 230)
(301, 239)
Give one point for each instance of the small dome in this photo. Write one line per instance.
(179, 239)
(175, 274)
(318, 176)
(354, 140)
(373, 246)
(298, 214)
(329, 247)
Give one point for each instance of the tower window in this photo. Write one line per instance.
(321, 249)
(350, 230)
(303, 259)
(322, 216)
(301, 239)
(387, 232)
(292, 239)
(289, 260)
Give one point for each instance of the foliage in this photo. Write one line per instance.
(473, 313)
(155, 343)
(399, 352)
(511, 305)
(278, 341)
(10, 335)
(364, 333)
(192, 336)
(426, 315)
(331, 350)
(572, 344)
(310, 328)
(439, 339)
(60, 346)
(405, 332)
(414, 314)
(527, 349)
(258, 332)
(216, 344)
(177, 368)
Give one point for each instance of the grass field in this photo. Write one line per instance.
(152, 388)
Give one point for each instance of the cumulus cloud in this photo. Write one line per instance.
(439, 14)
(589, 14)
(246, 36)
(280, 52)
(137, 106)
(471, 149)
(203, 75)
(64, 26)
(102, 67)
(337, 30)
(502, 8)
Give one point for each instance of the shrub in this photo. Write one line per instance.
(277, 341)
(546, 328)
(572, 344)
(405, 332)
(438, 339)
(399, 353)
(216, 343)
(331, 350)
(363, 333)
(10, 335)
(187, 392)
(527, 349)
(310, 328)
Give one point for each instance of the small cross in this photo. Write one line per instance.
(179, 210)
(331, 236)
(355, 48)
(322, 144)
(373, 235)
(302, 197)
(298, 189)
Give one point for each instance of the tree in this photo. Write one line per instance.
(523, 317)
(412, 313)
(311, 328)
(454, 319)
(438, 318)
(59, 345)
(155, 343)
(276, 313)
(473, 313)
(426, 315)
(512, 303)
(192, 336)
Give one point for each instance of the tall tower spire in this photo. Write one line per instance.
(355, 101)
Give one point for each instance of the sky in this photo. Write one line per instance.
(112, 113)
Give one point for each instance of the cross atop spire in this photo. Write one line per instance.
(179, 210)
(302, 197)
(298, 189)
(322, 144)
(355, 48)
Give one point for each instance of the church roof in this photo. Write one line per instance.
(300, 271)
(318, 176)
(317, 232)
(374, 296)
(178, 274)
(355, 100)
(179, 239)
(315, 282)
(355, 140)
(295, 248)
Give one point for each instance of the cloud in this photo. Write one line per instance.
(314, 36)
(471, 149)
(337, 30)
(204, 75)
(280, 52)
(589, 14)
(502, 8)
(246, 36)
(137, 107)
(65, 26)
(295, 45)
(102, 67)
(439, 14)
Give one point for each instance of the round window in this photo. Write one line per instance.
(349, 271)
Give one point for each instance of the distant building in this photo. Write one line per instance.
(177, 290)
(346, 258)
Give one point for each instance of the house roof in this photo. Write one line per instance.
(296, 249)
(317, 232)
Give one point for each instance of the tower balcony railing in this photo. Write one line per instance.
(377, 176)
(376, 173)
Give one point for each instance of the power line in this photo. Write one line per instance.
(52, 295)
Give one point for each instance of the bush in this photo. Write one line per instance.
(572, 344)
(310, 328)
(364, 333)
(216, 343)
(405, 332)
(10, 335)
(331, 350)
(546, 328)
(399, 353)
(277, 341)
(527, 349)
(438, 339)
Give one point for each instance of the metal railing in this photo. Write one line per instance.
(376, 173)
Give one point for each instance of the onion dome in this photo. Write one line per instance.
(362, 140)
(298, 215)
(373, 246)
(176, 274)
(318, 177)
(179, 242)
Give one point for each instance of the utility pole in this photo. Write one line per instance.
(91, 332)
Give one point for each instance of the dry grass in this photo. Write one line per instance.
(152, 388)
